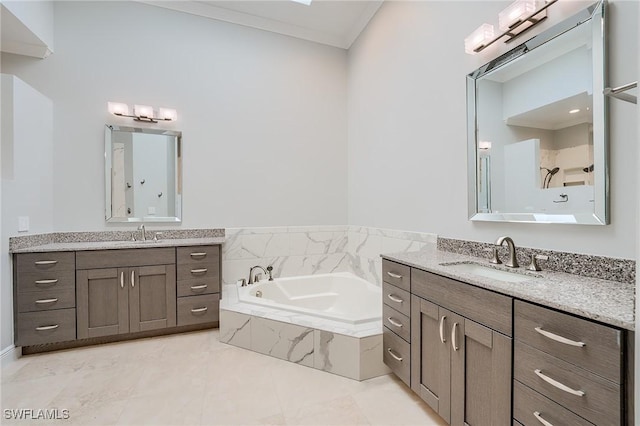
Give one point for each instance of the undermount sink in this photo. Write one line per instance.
(487, 271)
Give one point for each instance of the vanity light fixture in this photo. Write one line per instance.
(519, 17)
(142, 112)
(478, 39)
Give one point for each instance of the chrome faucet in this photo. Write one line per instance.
(143, 233)
(512, 262)
(266, 271)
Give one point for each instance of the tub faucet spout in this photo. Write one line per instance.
(252, 276)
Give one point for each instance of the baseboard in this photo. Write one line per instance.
(10, 354)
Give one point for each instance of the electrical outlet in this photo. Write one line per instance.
(23, 224)
(151, 211)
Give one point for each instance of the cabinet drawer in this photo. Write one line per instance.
(35, 328)
(527, 403)
(483, 306)
(47, 300)
(396, 322)
(197, 286)
(397, 355)
(198, 309)
(601, 402)
(45, 262)
(46, 281)
(397, 298)
(204, 271)
(198, 254)
(125, 258)
(558, 334)
(396, 274)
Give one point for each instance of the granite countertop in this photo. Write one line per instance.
(610, 302)
(114, 245)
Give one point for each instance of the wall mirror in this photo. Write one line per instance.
(537, 128)
(143, 174)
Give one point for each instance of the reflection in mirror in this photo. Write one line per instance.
(537, 137)
(143, 174)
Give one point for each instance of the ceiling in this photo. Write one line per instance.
(330, 22)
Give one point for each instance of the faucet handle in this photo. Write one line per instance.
(155, 236)
(133, 236)
(495, 259)
(533, 266)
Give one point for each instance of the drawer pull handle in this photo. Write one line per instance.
(538, 417)
(199, 254)
(47, 327)
(133, 279)
(46, 262)
(396, 357)
(46, 281)
(42, 301)
(198, 287)
(199, 271)
(454, 337)
(122, 279)
(394, 275)
(395, 298)
(559, 338)
(394, 322)
(557, 384)
(442, 339)
(198, 310)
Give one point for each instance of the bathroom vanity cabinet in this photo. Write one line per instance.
(84, 296)
(479, 357)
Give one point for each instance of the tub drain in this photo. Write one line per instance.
(258, 293)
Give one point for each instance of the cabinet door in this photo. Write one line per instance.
(480, 375)
(102, 302)
(152, 297)
(430, 355)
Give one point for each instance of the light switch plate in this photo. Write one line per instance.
(23, 223)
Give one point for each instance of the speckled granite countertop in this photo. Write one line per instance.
(113, 245)
(610, 302)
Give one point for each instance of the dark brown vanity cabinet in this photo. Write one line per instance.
(460, 367)
(120, 299)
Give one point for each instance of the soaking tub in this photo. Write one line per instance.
(331, 322)
(340, 297)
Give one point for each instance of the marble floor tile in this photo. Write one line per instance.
(194, 379)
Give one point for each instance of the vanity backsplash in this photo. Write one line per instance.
(607, 268)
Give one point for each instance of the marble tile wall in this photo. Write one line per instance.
(306, 250)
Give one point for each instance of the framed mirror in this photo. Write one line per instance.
(143, 174)
(537, 128)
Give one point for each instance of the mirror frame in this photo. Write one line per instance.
(108, 149)
(595, 13)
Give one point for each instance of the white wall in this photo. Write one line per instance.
(407, 126)
(27, 175)
(263, 115)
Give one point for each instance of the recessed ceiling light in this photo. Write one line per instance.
(307, 2)
(573, 111)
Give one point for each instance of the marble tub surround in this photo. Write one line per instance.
(610, 302)
(352, 357)
(105, 240)
(606, 268)
(306, 250)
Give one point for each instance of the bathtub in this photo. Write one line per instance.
(341, 297)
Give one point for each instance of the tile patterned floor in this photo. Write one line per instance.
(193, 379)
